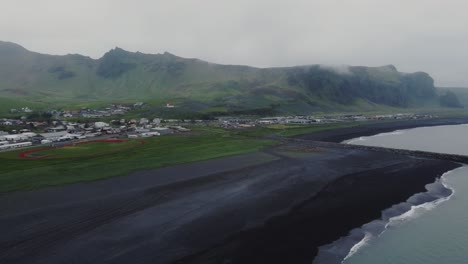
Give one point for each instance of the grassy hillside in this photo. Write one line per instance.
(198, 86)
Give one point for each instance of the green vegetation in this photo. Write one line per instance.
(112, 66)
(26, 174)
(87, 149)
(295, 131)
(95, 161)
(450, 99)
(292, 130)
(17, 103)
(201, 89)
(382, 85)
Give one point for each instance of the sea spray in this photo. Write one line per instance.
(343, 248)
(441, 139)
(360, 139)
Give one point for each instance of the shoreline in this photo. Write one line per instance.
(342, 134)
(356, 236)
(343, 248)
(346, 204)
(278, 207)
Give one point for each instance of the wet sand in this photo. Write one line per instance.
(275, 206)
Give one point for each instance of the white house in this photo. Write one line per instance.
(54, 135)
(162, 130)
(100, 124)
(144, 121)
(17, 137)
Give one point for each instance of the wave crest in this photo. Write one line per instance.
(345, 247)
(360, 139)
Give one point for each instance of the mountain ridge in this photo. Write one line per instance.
(198, 85)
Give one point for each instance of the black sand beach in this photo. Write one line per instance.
(275, 206)
(340, 135)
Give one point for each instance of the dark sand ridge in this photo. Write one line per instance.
(339, 135)
(271, 207)
(342, 205)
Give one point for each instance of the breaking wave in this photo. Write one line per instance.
(345, 247)
(360, 139)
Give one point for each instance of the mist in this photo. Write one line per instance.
(428, 36)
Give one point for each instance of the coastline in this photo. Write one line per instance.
(343, 248)
(280, 208)
(346, 245)
(345, 204)
(340, 135)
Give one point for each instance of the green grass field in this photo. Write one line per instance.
(291, 130)
(27, 174)
(83, 149)
(95, 161)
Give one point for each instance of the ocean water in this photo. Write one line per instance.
(451, 139)
(430, 233)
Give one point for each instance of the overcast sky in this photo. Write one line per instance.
(423, 35)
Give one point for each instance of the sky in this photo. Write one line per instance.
(413, 35)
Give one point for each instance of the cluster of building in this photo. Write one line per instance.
(237, 122)
(11, 122)
(111, 110)
(61, 130)
(21, 110)
(27, 133)
(146, 128)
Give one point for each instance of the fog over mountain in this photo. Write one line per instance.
(197, 85)
(428, 36)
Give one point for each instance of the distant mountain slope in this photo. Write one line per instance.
(201, 86)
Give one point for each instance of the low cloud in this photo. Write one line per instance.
(340, 69)
(429, 36)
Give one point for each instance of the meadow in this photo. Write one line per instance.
(81, 149)
(90, 162)
(26, 174)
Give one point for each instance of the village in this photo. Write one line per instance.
(85, 112)
(58, 128)
(245, 122)
(65, 131)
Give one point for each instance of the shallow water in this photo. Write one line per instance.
(431, 233)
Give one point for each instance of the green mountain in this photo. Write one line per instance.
(196, 85)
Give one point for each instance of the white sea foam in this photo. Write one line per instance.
(394, 133)
(418, 210)
(415, 211)
(364, 241)
(360, 139)
(351, 141)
